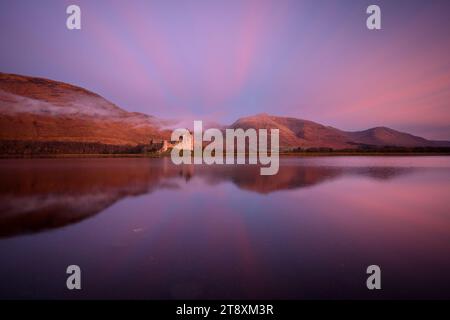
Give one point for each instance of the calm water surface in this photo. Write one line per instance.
(146, 229)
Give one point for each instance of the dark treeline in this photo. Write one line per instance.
(375, 149)
(15, 147)
(9, 147)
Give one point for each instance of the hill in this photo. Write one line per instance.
(37, 109)
(300, 133)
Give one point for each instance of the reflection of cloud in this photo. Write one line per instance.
(37, 195)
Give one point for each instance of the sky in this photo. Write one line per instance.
(218, 60)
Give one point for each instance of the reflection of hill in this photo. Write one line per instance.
(37, 195)
(42, 194)
(290, 176)
(249, 178)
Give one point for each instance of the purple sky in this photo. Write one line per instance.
(220, 60)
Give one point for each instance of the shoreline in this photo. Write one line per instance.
(282, 154)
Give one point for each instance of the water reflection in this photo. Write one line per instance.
(225, 232)
(42, 194)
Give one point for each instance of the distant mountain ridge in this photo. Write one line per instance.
(42, 110)
(308, 134)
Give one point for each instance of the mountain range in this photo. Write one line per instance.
(308, 134)
(41, 110)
